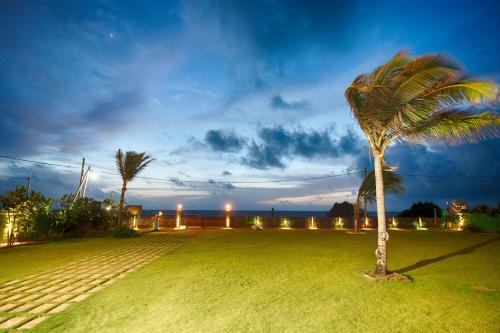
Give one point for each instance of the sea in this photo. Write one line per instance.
(151, 212)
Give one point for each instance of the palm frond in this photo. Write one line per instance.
(456, 127)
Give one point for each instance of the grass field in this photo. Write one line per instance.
(277, 281)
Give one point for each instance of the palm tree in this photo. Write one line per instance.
(129, 165)
(366, 192)
(415, 99)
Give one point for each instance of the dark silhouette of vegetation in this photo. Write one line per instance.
(421, 209)
(344, 209)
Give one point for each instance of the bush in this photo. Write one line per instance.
(474, 228)
(124, 232)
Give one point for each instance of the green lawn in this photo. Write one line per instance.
(276, 281)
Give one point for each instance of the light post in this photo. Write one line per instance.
(178, 218)
(228, 216)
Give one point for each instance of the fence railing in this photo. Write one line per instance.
(324, 222)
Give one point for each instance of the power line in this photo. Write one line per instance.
(38, 162)
(176, 180)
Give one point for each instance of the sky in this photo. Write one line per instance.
(237, 101)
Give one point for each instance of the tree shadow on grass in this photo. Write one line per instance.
(466, 250)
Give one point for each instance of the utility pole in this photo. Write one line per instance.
(29, 187)
(87, 175)
(81, 174)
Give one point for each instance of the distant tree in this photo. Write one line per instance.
(129, 165)
(344, 209)
(485, 209)
(421, 209)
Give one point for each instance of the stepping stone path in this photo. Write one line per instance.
(27, 302)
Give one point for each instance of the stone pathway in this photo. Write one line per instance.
(27, 302)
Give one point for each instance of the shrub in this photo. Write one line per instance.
(124, 232)
(474, 228)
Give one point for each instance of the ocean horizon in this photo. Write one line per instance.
(207, 212)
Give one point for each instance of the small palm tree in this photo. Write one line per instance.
(129, 165)
(366, 192)
(414, 99)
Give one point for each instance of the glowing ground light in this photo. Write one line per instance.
(367, 222)
(285, 223)
(228, 216)
(312, 224)
(420, 224)
(339, 224)
(178, 218)
(394, 223)
(258, 222)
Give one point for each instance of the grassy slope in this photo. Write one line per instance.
(238, 280)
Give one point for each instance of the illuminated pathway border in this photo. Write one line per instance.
(26, 302)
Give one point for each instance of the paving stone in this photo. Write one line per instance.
(53, 288)
(11, 282)
(23, 308)
(29, 298)
(34, 289)
(80, 298)
(107, 283)
(20, 289)
(42, 308)
(63, 298)
(8, 289)
(97, 281)
(60, 308)
(14, 297)
(82, 289)
(8, 306)
(12, 322)
(66, 289)
(32, 323)
(47, 297)
(96, 288)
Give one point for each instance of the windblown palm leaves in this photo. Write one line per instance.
(129, 165)
(366, 192)
(414, 99)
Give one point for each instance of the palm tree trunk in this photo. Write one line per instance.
(356, 214)
(381, 252)
(122, 203)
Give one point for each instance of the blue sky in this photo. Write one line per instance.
(224, 92)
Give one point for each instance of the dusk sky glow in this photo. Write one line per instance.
(228, 92)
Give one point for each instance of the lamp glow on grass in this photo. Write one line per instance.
(312, 225)
(285, 223)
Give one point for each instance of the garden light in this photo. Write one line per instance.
(285, 224)
(228, 216)
(312, 224)
(178, 217)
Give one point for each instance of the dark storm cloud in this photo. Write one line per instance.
(176, 181)
(277, 103)
(226, 173)
(278, 143)
(224, 141)
(222, 185)
(482, 159)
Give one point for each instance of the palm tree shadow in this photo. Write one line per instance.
(466, 250)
